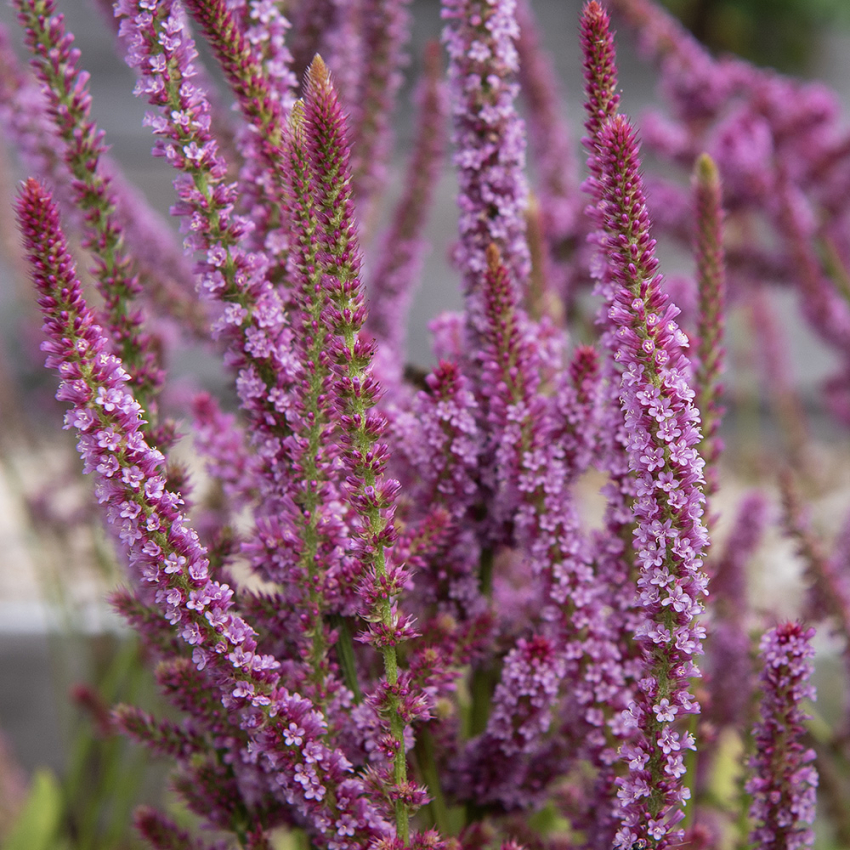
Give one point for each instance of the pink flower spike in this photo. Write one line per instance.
(783, 780)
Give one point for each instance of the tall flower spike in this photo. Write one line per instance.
(66, 87)
(784, 781)
(489, 143)
(370, 494)
(253, 322)
(312, 414)
(264, 28)
(313, 777)
(663, 428)
(711, 280)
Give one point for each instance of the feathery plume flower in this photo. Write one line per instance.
(783, 780)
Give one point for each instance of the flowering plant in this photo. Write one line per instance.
(435, 645)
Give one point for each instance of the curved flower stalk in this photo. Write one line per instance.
(489, 144)
(146, 515)
(248, 40)
(255, 84)
(783, 780)
(265, 29)
(253, 322)
(66, 88)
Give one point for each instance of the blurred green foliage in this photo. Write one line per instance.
(780, 33)
(89, 804)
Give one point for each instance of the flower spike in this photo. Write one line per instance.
(489, 143)
(663, 428)
(711, 280)
(784, 779)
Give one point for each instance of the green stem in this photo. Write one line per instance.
(428, 767)
(483, 678)
(345, 655)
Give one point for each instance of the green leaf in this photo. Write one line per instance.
(38, 824)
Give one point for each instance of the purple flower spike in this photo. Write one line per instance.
(252, 322)
(287, 733)
(784, 780)
(663, 429)
(600, 72)
(129, 473)
(489, 142)
(711, 279)
(66, 88)
(364, 457)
